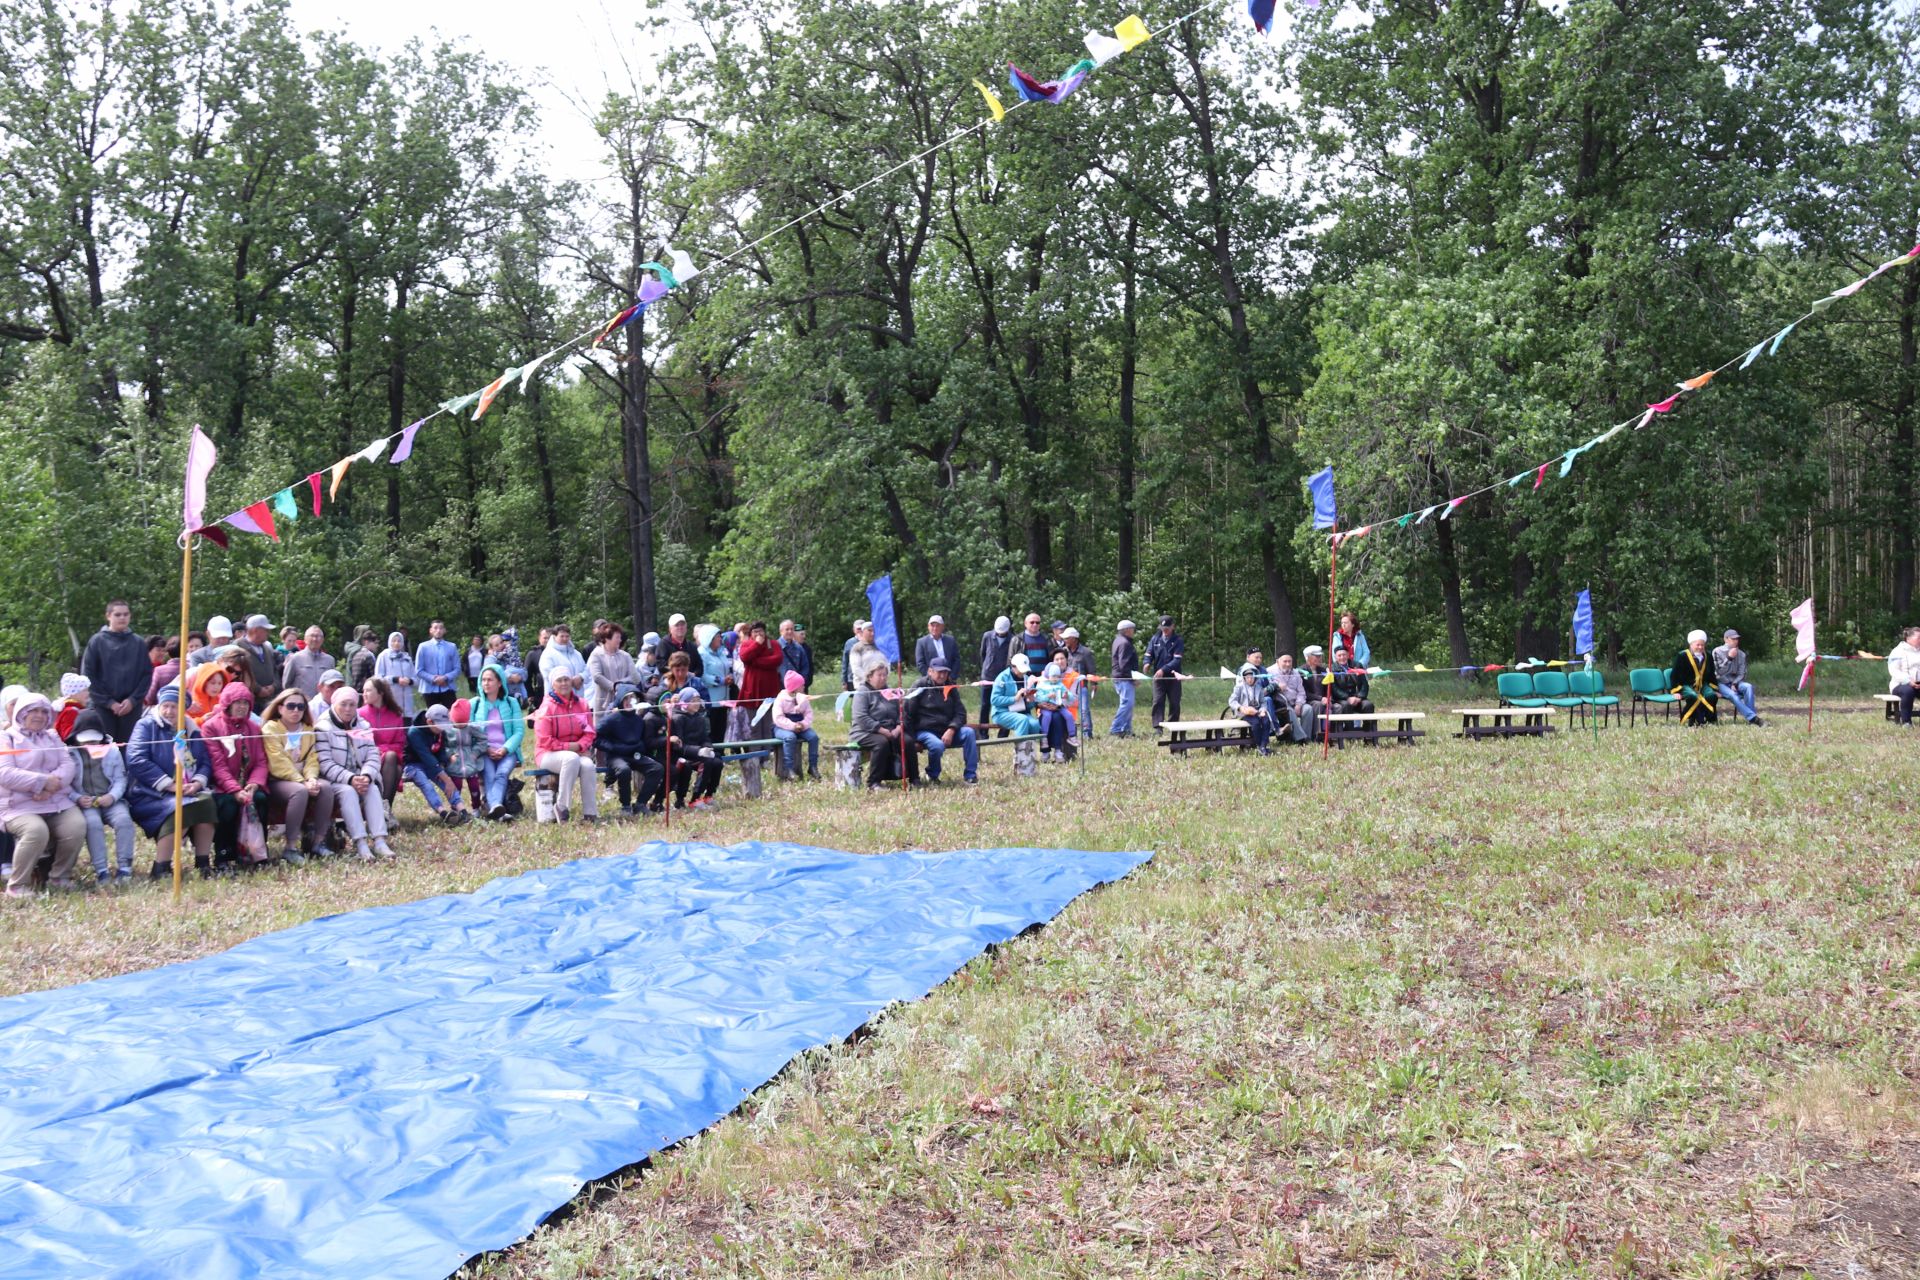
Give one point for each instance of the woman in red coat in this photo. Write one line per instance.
(760, 661)
(238, 754)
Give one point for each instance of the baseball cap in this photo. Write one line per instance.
(1002, 624)
(259, 620)
(936, 618)
(1166, 619)
(676, 620)
(439, 715)
(1070, 634)
(219, 625)
(1730, 634)
(1055, 625)
(1126, 624)
(939, 664)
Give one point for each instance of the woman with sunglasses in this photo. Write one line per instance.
(293, 776)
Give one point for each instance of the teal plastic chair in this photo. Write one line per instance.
(1650, 686)
(1591, 688)
(1553, 686)
(1517, 690)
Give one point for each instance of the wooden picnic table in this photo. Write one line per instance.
(1370, 726)
(1534, 723)
(1214, 734)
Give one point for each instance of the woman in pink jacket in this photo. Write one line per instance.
(239, 756)
(36, 798)
(382, 714)
(563, 742)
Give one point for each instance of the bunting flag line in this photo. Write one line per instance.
(339, 474)
(284, 507)
(1103, 47)
(1261, 11)
(1540, 476)
(255, 519)
(526, 374)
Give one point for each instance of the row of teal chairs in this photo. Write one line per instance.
(1585, 691)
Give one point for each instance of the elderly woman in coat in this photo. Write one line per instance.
(151, 754)
(36, 798)
(350, 765)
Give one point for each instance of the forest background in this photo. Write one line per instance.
(1079, 362)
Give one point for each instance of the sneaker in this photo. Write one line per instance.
(496, 813)
(973, 782)
(15, 892)
(562, 815)
(321, 851)
(293, 857)
(385, 850)
(1266, 751)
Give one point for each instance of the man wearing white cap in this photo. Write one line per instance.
(1126, 661)
(1694, 681)
(936, 646)
(263, 660)
(219, 636)
(996, 646)
(677, 640)
(858, 652)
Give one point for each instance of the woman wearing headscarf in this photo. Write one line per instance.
(395, 666)
(497, 726)
(36, 798)
(563, 740)
(350, 764)
(151, 754)
(1694, 679)
(238, 757)
(715, 672)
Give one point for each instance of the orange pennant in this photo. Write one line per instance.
(339, 474)
(1694, 384)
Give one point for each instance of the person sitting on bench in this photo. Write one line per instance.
(877, 727)
(690, 748)
(1287, 692)
(1350, 687)
(1695, 683)
(1050, 700)
(1012, 697)
(1249, 702)
(1903, 672)
(937, 719)
(629, 743)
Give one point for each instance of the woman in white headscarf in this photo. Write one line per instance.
(395, 666)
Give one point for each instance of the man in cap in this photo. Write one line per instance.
(937, 719)
(1730, 674)
(1126, 661)
(263, 660)
(679, 639)
(936, 646)
(1165, 652)
(996, 647)
(219, 636)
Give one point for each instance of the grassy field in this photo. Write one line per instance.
(1645, 1006)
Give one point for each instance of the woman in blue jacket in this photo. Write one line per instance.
(150, 764)
(1012, 697)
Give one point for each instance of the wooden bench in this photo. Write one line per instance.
(1534, 723)
(749, 755)
(850, 758)
(1892, 703)
(1369, 726)
(1213, 735)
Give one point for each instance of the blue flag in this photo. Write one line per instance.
(886, 635)
(1583, 624)
(1320, 484)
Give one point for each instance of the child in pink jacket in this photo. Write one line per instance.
(793, 724)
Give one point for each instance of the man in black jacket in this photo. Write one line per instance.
(630, 742)
(1164, 654)
(1350, 686)
(937, 719)
(117, 665)
(936, 646)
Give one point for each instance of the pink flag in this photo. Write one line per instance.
(1540, 477)
(1665, 406)
(1803, 630)
(200, 460)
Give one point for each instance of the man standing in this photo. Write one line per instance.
(263, 660)
(937, 719)
(1080, 661)
(1035, 643)
(793, 655)
(806, 650)
(863, 652)
(677, 640)
(536, 681)
(437, 667)
(117, 664)
(996, 647)
(1126, 661)
(219, 636)
(935, 646)
(306, 665)
(362, 655)
(1730, 673)
(1164, 654)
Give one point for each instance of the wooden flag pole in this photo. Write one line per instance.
(1813, 678)
(1333, 579)
(180, 715)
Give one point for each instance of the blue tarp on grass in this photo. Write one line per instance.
(389, 1092)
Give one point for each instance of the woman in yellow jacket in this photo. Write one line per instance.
(293, 775)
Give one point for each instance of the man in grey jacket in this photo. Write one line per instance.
(1126, 661)
(306, 665)
(1730, 671)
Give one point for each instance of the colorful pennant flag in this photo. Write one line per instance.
(663, 271)
(1326, 513)
(255, 519)
(1424, 514)
(460, 404)
(284, 507)
(1540, 476)
(1781, 337)
(1054, 91)
(489, 392)
(1450, 507)
(404, 450)
(653, 291)
(1103, 47)
(683, 268)
(1406, 519)
(373, 451)
(993, 101)
(1261, 11)
(526, 374)
(1754, 353)
(212, 533)
(201, 456)
(1699, 381)
(1665, 406)
(339, 474)
(1133, 33)
(313, 482)
(620, 321)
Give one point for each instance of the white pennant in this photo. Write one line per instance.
(682, 264)
(373, 451)
(526, 374)
(1103, 47)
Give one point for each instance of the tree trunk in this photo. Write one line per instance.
(636, 464)
(1450, 593)
(1129, 444)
